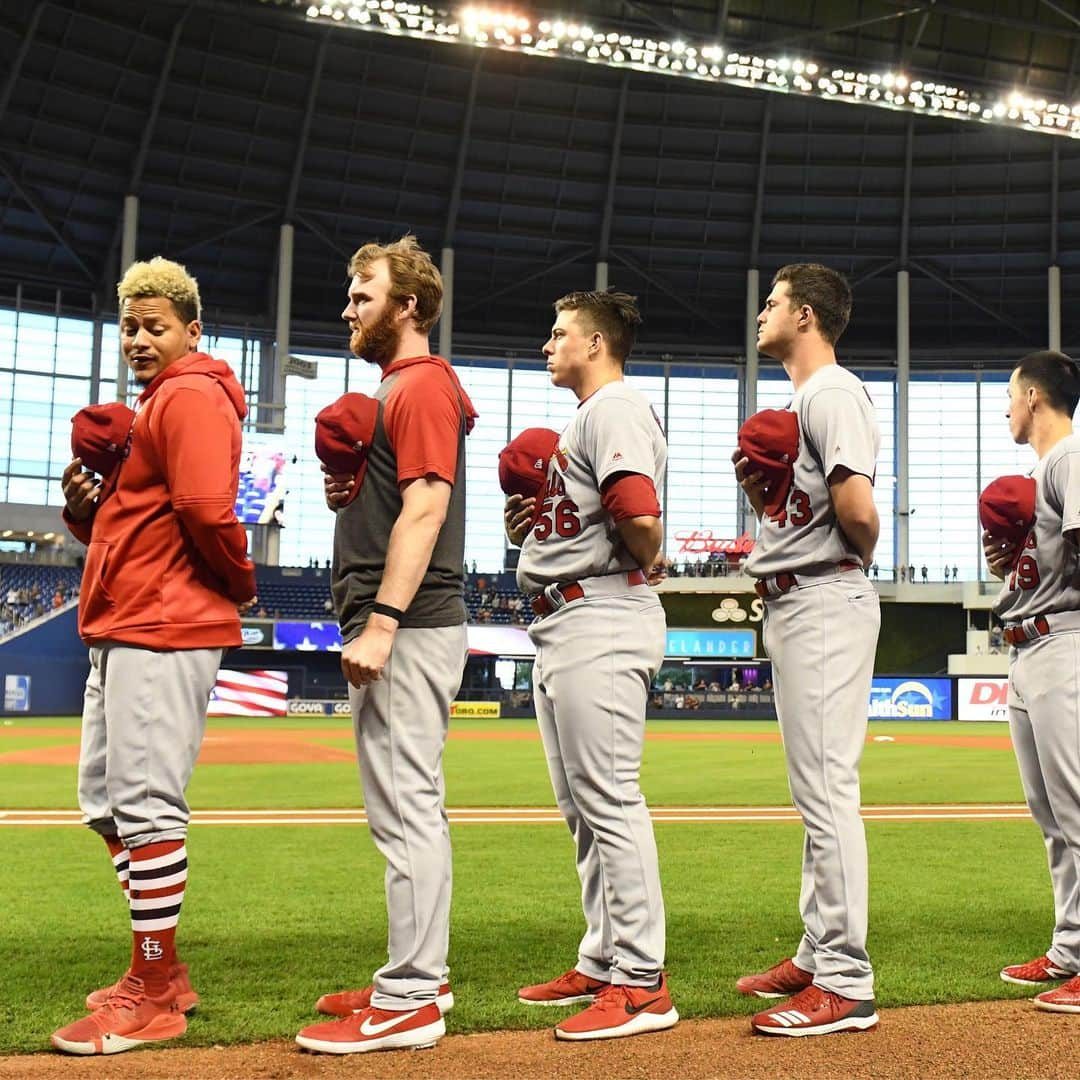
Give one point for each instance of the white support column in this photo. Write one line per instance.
(128, 240)
(446, 320)
(747, 519)
(1053, 291)
(284, 319)
(601, 276)
(903, 381)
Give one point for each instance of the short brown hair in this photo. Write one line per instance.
(412, 273)
(165, 280)
(612, 314)
(1056, 375)
(825, 290)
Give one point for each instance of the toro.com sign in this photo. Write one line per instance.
(983, 699)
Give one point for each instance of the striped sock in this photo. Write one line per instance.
(157, 877)
(119, 855)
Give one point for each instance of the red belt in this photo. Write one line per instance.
(573, 590)
(786, 582)
(1017, 635)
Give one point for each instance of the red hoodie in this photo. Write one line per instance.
(166, 563)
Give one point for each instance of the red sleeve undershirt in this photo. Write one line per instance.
(422, 419)
(630, 495)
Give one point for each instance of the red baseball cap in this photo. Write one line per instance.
(1007, 508)
(344, 432)
(99, 435)
(770, 440)
(524, 460)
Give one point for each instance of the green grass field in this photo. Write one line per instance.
(274, 916)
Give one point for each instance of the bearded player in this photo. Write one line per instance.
(1040, 605)
(821, 627)
(398, 588)
(587, 547)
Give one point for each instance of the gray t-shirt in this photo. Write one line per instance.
(837, 427)
(613, 431)
(1046, 578)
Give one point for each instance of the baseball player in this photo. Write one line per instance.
(588, 543)
(398, 587)
(1040, 606)
(821, 627)
(166, 575)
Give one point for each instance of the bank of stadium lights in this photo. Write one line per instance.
(577, 40)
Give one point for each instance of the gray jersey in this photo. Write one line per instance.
(1046, 577)
(836, 427)
(613, 431)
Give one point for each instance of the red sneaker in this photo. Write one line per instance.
(569, 989)
(353, 1001)
(781, 980)
(814, 1011)
(1064, 999)
(128, 1019)
(622, 1010)
(1037, 972)
(186, 998)
(376, 1029)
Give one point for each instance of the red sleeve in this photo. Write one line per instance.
(422, 418)
(630, 495)
(195, 440)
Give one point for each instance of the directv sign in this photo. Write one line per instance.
(911, 699)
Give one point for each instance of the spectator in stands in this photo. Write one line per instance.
(155, 644)
(954, 572)
(924, 573)
(733, 686)
(911, 573)
(766, 686)
(262, 613)
(874, 570)
(57, 600)
(903, 573)
(328, 606)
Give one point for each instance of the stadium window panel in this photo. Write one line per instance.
(943, 530)
(535, 402)
(702, 429)
(309, 525)
(487, 386)
(999, 455)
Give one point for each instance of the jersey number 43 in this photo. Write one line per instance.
(798, 510)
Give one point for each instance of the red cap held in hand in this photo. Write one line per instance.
(344, 432)
(770, 440)
(99, 435)
(523, 462)
(1007, 508)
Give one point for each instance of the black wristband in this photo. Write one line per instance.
(386, 609)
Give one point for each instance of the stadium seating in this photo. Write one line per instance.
(27, 590)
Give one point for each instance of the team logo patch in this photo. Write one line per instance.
(561, 458)
(151, 949)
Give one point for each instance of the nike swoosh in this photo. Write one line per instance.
(632, 1009)
(368, 1028)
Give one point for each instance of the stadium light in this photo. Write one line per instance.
(572, 39)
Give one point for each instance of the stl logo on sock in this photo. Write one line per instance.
(151, 949)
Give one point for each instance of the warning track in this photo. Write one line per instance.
(543, 815)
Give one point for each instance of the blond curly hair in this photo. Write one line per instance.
(162, 278)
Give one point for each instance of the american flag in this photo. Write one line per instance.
(249, 693)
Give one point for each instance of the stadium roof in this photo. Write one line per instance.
(229, 118)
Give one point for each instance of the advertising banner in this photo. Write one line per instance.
(473, 710)
(711, 644)
(983, 699)
(311, 707)
(911, 699)
(16, 693)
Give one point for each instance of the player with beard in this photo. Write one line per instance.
(398, 588)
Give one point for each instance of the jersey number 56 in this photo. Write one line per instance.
(559, 517)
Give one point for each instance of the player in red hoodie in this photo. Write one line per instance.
(166, 578)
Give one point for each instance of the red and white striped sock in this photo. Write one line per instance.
(119, 855)
(157, 876)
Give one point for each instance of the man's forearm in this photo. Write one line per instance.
(863, 535)
(412, 541)
(643, 537)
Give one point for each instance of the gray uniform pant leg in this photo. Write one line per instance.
(1044, 719)
(822, 641)
(595, 952)
(144, 716)
(400, 722)
(597, 660)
